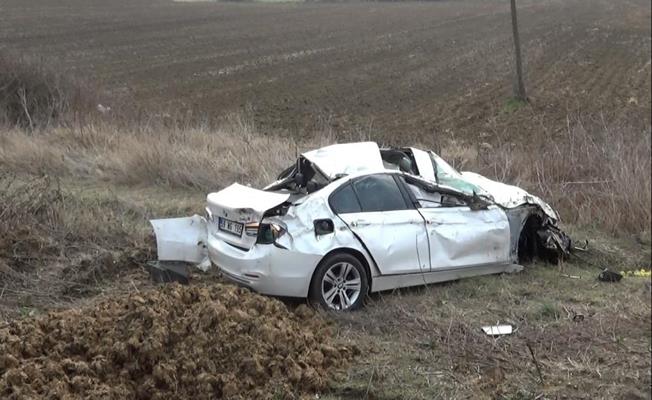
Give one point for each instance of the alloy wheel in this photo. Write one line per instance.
(341, 286)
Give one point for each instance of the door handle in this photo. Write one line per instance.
(359, 222)
(433, 222)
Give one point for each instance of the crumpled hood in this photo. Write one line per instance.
(508, 196)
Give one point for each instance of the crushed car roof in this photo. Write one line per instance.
(346, 158)
(343, 159)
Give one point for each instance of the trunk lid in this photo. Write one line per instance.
(234, 208)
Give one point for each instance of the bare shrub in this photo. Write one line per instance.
(33, 95)
(198, 158)
(49, 247)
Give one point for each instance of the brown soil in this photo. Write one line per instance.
(217, 341)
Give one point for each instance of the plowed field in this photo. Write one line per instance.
(373, 67)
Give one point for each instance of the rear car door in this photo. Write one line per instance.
(382, 217)
(460, 236)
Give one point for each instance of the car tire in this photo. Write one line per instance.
(339, 283)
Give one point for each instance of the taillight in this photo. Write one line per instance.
(269, 233)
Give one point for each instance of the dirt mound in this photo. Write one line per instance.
(217, 341)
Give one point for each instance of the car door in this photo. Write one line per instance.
(381, 216)
(460, 236)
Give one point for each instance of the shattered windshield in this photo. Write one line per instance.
(449, 176)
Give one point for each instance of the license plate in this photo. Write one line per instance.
(232, 227)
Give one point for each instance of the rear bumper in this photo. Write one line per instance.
(265, 268)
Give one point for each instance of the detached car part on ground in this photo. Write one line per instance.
(350, 219)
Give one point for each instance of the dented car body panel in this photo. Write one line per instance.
(405, 214)
(508, 196)
(459, 236)
(236, 206)
(285, 267)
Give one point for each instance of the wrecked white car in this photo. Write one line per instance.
(350, 219)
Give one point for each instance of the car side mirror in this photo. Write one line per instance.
(477, 203)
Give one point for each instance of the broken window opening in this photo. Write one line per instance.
(435, 199)
(429, 195)
(302, 177)
(399, 160)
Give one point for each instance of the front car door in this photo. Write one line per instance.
(460, 236)
(383, 218)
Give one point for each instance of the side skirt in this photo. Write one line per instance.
(388, 282)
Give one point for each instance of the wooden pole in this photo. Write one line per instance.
(519, 87)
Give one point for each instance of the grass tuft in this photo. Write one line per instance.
(513, 104)
(549, 311)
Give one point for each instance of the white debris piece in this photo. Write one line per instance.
(498, 330)
(182, 239)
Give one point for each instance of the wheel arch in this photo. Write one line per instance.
(527, 244)
(351, 251)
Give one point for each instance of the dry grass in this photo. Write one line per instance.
(595, 175)
(57, 244)
(35, 95)
(194, 158)
(598, 177)
(74, 203)
(51, 253)
(426, 342)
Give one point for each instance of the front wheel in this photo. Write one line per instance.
(340, 283)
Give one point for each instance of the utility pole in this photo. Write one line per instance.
(519, 86)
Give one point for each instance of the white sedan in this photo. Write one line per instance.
(350, 219)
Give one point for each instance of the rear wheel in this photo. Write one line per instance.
(339, 284)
